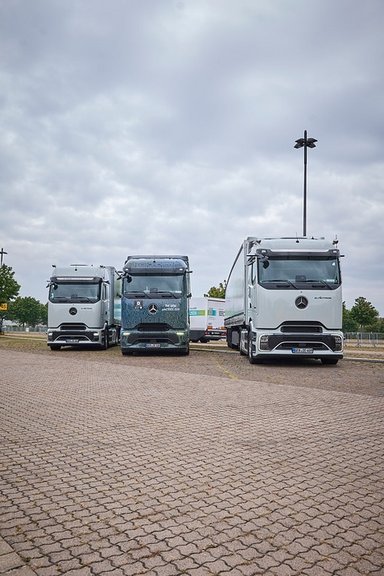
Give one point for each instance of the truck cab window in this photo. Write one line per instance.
(299, 271)
(74, 292)
(150, 285)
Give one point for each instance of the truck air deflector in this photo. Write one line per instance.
(313, 254)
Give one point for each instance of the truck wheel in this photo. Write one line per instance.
(329, 361)
(230, 333)
(252, 359)
(105, 344)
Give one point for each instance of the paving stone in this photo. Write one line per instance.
(123, 468)
(4, 547)
(23, 571)
(9, 561)
(51, 571)
(166, 570)
(79, 572)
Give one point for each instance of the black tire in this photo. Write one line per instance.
(229, 339)
(105, 344)
(329, 361)
(252, 359)
(54, 346)
(184, 351)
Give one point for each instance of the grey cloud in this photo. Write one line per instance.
(169, 125)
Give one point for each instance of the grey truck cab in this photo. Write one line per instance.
(155, 304)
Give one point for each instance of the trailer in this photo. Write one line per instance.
(84, 306)
(284, 299)
(155, 303)
(206, 317)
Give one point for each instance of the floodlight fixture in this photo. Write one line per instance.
(305, 143)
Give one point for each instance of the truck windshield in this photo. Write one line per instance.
(74, 292)
(153, 286)
(299, 272)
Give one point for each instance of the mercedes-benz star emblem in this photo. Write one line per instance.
(152, 308)
(301, 302)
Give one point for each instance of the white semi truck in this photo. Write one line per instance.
(206, 318)
(84, 306)
(283, 299)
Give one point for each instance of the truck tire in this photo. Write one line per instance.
(105, 344)
(252, 359)
(329, 361)
(230, 332)
(184, 351)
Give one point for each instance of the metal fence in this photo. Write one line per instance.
(364, 338)
(15, 328)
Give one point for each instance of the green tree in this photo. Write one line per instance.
(380, 326)
(44, 313)
(349, 323)
(27, 311)
(9, 289)
(364, 313)
(218, 292)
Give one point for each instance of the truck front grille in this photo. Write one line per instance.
(301, 328)
(153, 338)
(73, 327)
(288, 341)
(155, 327)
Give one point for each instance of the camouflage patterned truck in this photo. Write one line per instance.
(155, 304)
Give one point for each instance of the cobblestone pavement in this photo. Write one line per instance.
(124, 469)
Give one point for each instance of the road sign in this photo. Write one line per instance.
(3, 307)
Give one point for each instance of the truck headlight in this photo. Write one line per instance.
(338, 343)
(264, 342)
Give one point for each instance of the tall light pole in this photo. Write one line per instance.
(305, 143)
(2, 254)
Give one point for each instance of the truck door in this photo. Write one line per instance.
(105, 301)
(251, 289)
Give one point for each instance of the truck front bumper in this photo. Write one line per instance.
(304, 345)
(74, 338)
(168, 339)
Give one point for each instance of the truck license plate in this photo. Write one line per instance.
(302, 350)
(72, 340)
(154, 345)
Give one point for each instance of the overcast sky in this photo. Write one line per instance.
(168, 126)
